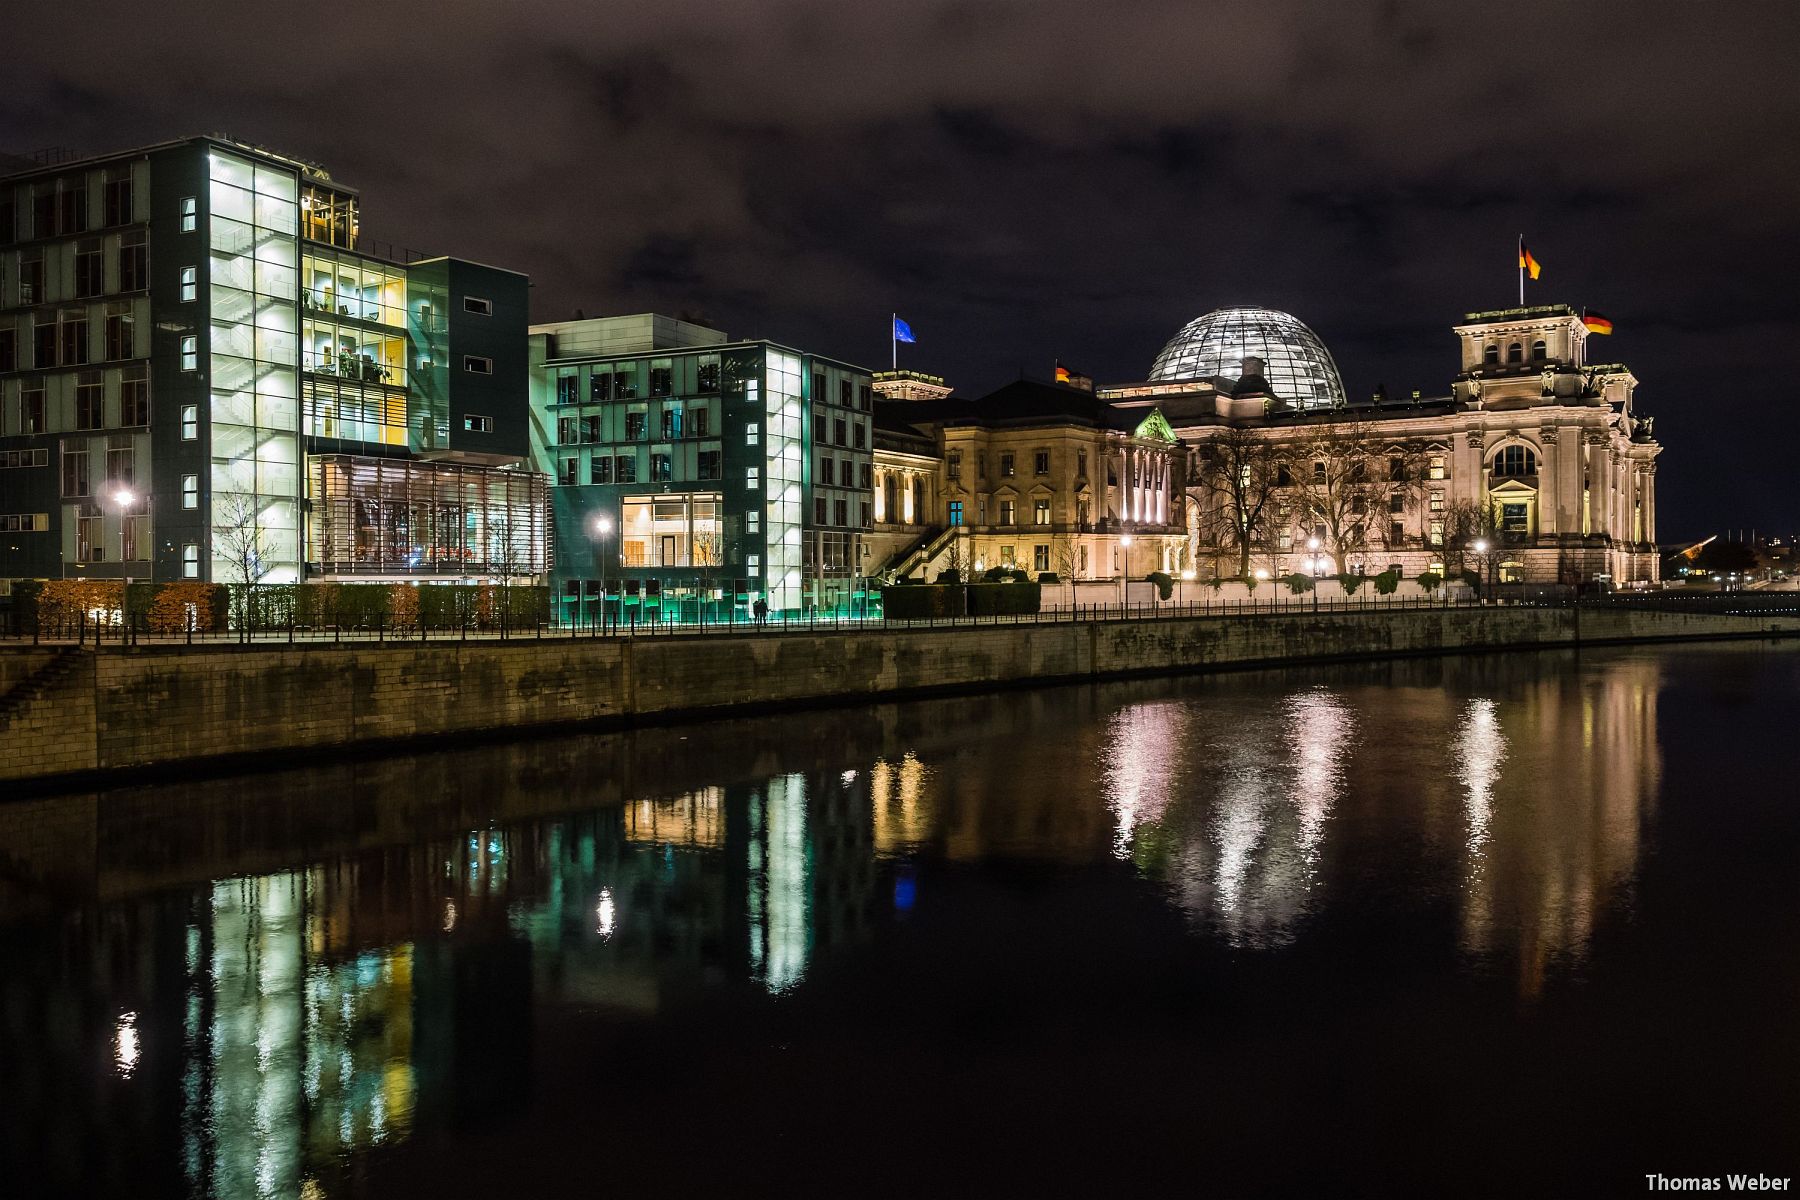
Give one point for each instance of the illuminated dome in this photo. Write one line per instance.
(1295, 362)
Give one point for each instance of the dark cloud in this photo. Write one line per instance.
(1042, 179)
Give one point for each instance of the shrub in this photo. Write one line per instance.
(178, 607)
(1298, 583)
(1388, 582)
(950, 575)
(1429, 582)
(996, 575)
(1165, 583)
(989, 599)
(68, 601)
(1350, 583)
(1048, 577)
(923, 600)
(403, 607)
(1472, 578)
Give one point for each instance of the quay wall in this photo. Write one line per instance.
(76, 715)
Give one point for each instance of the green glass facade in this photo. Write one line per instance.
(691, 482)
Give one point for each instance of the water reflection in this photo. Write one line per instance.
(302, 967)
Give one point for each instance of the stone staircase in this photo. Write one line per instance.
(918, 559)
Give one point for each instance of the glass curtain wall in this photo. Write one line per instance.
(784, 406)
(254, 350)
(394, 517)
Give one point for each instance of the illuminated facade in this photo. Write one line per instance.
(184, 327)
(1295, 361)
(1541, 456)
(1037, 476)
(695, 476)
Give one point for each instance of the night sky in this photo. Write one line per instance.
(1031, 180)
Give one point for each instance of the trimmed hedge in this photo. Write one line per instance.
(1388, 582)
(992, 599)
(1298, 583)
(922, 600)
(1429, 581)
(1350, 583)
(1165, 583)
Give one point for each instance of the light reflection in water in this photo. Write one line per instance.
(1481, 750)
(1144, 742)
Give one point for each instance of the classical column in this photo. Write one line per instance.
(1650, 503)
(1551, 517)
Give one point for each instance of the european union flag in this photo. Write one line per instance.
(903, 332)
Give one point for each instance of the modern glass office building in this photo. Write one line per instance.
(193, 335)
(694, 476)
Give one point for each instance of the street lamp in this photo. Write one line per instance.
(602, 529)
(1124, 570)
(124, 498)
(1481, 549)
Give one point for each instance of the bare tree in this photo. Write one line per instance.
(240, 541)
(1236, 474)
(1346, 483)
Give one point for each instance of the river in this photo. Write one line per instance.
(1508, 924)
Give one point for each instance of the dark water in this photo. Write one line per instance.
(1517, 925)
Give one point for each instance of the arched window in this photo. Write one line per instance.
(1539, 351)
(1514, 461)
(1491, 356)
(1515, 353)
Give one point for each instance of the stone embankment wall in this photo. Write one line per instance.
(74, 714)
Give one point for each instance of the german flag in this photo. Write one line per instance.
(1528, 264)
(1595, 322)
(1064, 374)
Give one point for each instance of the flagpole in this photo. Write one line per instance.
(894, 338)
(1521, 270)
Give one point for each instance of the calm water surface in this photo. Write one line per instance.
(1518, 925)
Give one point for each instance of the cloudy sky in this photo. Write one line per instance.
(1032, 179)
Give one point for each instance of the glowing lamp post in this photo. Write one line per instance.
(125, 499)
(602, 531)
(1481, 549)
(1124, 569)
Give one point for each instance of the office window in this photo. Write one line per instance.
(90, 275)
(659, 468)
(1436, 530)
(818, 392)
(190, 352)
(190, 422)
(31, 277)
(827, 471)
(860, 435)
(818, 510)
(844, 393)
(953, 464)
(75, 471)
(90, 401)
(589, 432)
(1006, 465)
(600, 385)
(1397, 503)
(74, 206)
(867, 518)
(565, 431)
(750, 434)
(72, 336)
(1006, 512)
(662, 378)
(864, 478)
(637, 424)
(1437, 466)
(1041, 512)
(566, 389)
(190, 208)
(753, 521)
(625, 468)
(478, 306)
(707, 377)
(753, 478)
(671, 422)
(600, 468)
(134, 261)
(190, 284)
(841, 508)
(707, 464)
(1040, 462)
(477, 364)
(838, 436)
(121, 337)
(118, 198)
(565, 471)
(475, 423)
(1396, 533)
(863, 397)
(753, 565)
(9, 347)
(1040, 558)
(1437, 502)
(190, 491)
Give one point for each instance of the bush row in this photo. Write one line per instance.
(917, 601)
(215, 607)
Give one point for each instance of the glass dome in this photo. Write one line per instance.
(1298, 367)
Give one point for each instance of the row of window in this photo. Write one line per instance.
(849, 395)
(1515, 353)
(131, 260)
(836, 431)
(24, 522)
(59, 207)
(90, 401)
(847, 473)
(60, 338)
(837, 512)
(676, 423)
(631, 380)
(39, 457)
(623, 468)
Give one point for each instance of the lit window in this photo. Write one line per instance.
(190, 422)
(753, 478)
(1491, 356)
(190, 352)
(190, 560)
(190, 491)
(1515, 353)
(753, 565)
(1437, 466)
(190, 284)
(753, 521)
(750, 434)
(1538, 351)
(190, 214)
(1514, 462)
(1041, 512)
(474, 423)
